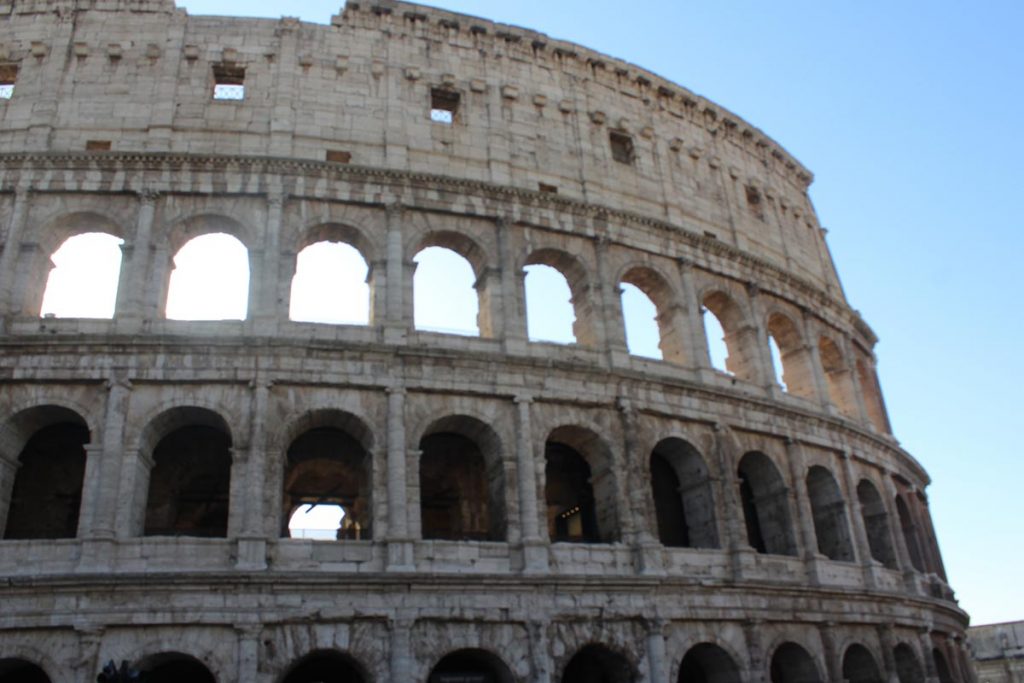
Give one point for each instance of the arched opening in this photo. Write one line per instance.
(859, 666)
(174, 667)
(20, 671)
(325, 666)
(797, 375)
(726, 322)
(549, 311)
(942, 669)
(683, 499)
(640, 317)
(210, 280)
(908, 667)
(837, 376)
(792, 664)
(462, 482)
(470, 666)
(445, 297)
(579, 488)
(876, 524)
(909, 534)
(598, 664)
(765, 503)
(707, 663)
(191, 476)
(330, 285)
(327, 484)
(828, 508)
(83, 283)
(47, 490)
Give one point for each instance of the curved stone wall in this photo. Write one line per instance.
(722, 527)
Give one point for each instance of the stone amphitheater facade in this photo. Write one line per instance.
(720, 528)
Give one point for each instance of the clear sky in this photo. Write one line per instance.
(909, 114)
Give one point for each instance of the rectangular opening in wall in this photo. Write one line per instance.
(8, 74)
(228, 82)
(444, 105)
(622, 147)
(97, 145)
(544, 187)
(339, 156)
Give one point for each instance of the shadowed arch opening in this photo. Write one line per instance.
(581, 314)
(649, 310)
(708, 663)
(84, 280)
(910, 534)
(597, 663)
(876, 524)
(908, 666)
(736, 336)
(174, 667)
(792, 664)
(325, 666)
(462, 481)
(837, 377)
(470, 665)
(942, 669)
(210, 280)
(328, 467)
(828, 509)
(191, 475)
(330, 284)
(44, 499)
(13, 670)
(683, 500)
(764, 497)
(797, 376)
(859, 666)
(579, 487)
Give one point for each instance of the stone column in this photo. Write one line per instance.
(693, 318)
(104, 498)
(801, 503)
(248, 652)
(134, 484)
(401, 658)
(91, 483)
(398, 313)
(400, 549)
(608, 293)
(535, 555)
(656, 659)
(888, 641)
(265, 277)
(833, 665)
(513, 294)
(88, 664)
(252, 534)
(648, 551)
(817, 367)
(861, 545)
(902, 552)
(925, 640)
(12, 246)
(755, 648)
(763, 370)
(858, 390)
(730, 508)
(132, 308)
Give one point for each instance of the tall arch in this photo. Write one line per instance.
(683, 499)
(658, 292)
(451, 278)
(331, 281)
(325, 666)
(765, 501)
(85, 277)
(585, 309)
(910, 534)
(210, 279)
(739, 340)
(47, 447)
(597, 663)
(471, 664)
(859, 666)
(908, 666)
(792, 664)
(797, 370)
(462, 481)
(580, 488)
(708, 663)
(838, 378)
(190, 478)
(876, 524)
(828, 508)
(942, 670)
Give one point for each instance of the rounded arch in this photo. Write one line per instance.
(182, 229)
(345, 233)
(29, 417)
(739, 340)
(708, 663)
(876, 524)
(684, 500)
(582, 324)
(17, 670)
(828, 510)
(765, 500)
(354, 424)
(580, 486)
(791, 663)
(461, 243)
(908, 664)
(838, 378)
(942, 670)
(168, 417)
(462, 480)
(860, 666)
(598, 662)
(331, 283)
(452, 293)
(471, 664)
(173, 667)
(659, 290)
(326, 666)
(797, 374)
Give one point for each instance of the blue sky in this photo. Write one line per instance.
(909, 114)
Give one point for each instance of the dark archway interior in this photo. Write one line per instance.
(328, 466)
(683, 499)
(765, 504)
(569, 496)
(942, 669)
(189, 484)
(828, 509)
(859, 666)
(876, 524)
(325, 667)
(20, 671)
(707, 663)
(175, 668)
(470, 666)
(668, 503)
(47, 490)
(908, 668)
(598, 664)
(454, 497)
(792, 664)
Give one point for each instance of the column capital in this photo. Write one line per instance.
(520, 399)
(147, 195)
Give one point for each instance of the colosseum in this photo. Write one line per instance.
(509, 510)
